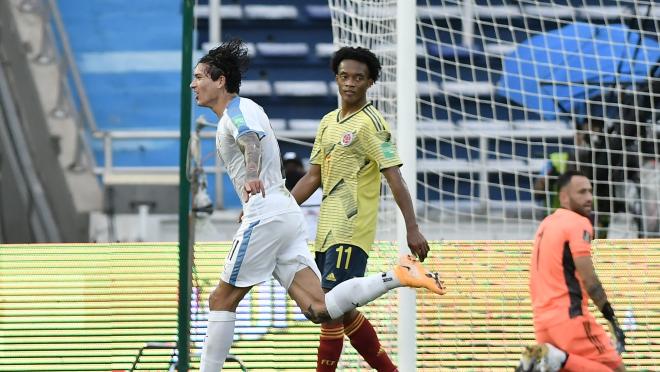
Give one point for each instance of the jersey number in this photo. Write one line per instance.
(341, 250)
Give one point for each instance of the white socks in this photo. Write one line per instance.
(356, 292)
(344, 297)
(219, 337)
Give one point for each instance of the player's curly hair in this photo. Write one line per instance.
(357, 54)
(229, 60)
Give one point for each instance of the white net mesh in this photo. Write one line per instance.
(512, 93)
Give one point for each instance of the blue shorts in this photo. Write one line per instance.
(339, 263)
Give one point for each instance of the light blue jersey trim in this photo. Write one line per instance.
(237, 118)
(241, 252)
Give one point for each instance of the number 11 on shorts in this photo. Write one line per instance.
(347, 251)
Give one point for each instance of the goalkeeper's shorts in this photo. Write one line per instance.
(582, 336)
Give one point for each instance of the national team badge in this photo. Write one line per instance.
(347, 139)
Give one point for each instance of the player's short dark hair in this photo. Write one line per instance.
(357, 54)
(565, 178)
(229, 60)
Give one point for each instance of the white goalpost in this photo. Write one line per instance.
(490, 100)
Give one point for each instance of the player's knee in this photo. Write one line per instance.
(214, 299)
(220, 300)
(316, 312)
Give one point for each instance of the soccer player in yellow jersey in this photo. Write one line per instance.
(353, 146)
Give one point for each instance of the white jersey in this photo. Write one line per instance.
(243, 116)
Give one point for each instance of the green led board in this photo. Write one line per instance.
(93, 307)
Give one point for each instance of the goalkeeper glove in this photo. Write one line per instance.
(615, 329)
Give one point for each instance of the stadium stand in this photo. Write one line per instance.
(136, 86)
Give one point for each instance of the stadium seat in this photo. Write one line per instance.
(305, 125)
(318, 11)
(227, 12)
(543, 128)
(428, 88)
(271, 12)
(490, 127)
(604, 12)
(446, 166)
(435, 128)
(499, 49)
(278, 124)
(252, 49)
(283, 49)
(441, 12)
(255, 88)
(501, 11)
(445, 51)
(324, 50)
(468, 88)
(332, 88)
(301, 88)
(551, 11)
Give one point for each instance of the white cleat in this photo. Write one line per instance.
(541, 358)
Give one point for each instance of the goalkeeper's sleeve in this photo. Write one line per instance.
(615, 329)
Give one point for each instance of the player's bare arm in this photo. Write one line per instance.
(251, 148)
(416, 241)
(585, 267)
(307, 184)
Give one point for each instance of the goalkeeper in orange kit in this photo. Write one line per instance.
(562, 279)
(353, 147)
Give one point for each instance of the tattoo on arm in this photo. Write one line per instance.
(251, 148)
(597, 294)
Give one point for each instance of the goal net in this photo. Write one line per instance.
(510, 94)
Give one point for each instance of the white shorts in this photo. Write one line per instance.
(274, 246)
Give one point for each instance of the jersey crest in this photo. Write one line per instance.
(347, 138)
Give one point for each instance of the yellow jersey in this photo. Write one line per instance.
(351, 152)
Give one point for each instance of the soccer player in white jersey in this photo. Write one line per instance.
(271, 239)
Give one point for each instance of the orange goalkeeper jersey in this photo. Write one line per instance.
(556, 287)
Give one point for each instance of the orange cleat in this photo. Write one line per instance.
(412, 274)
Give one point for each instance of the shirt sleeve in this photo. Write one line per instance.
(378, 146)
(580, 235)
(246, 119)
(316, 156)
